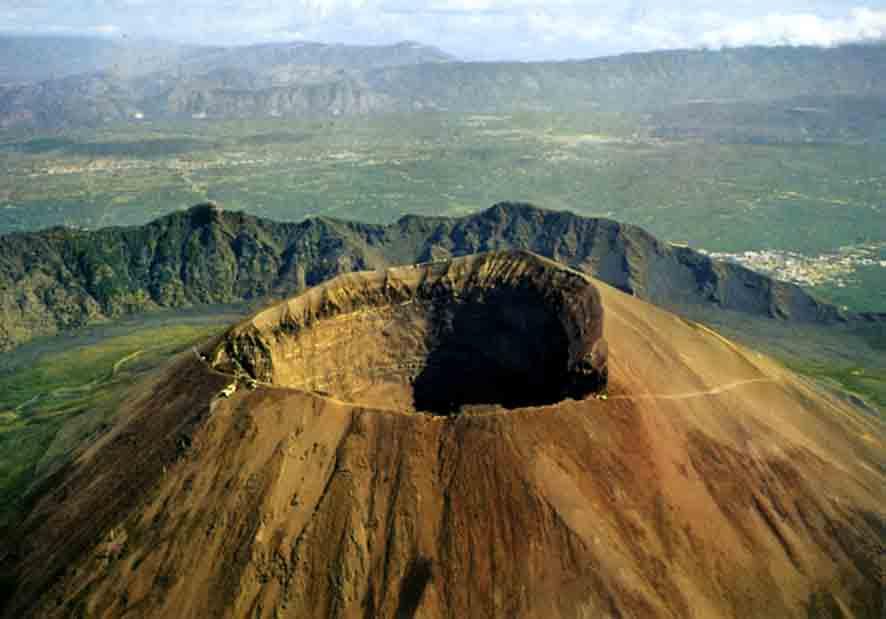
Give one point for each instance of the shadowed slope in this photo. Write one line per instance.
(710, 483)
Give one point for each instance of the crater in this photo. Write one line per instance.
(503, 329)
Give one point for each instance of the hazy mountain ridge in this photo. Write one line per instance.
(60, 279)
(54, 82)
(40, 58)
(643, 81)
(281, 80)
(261, 57)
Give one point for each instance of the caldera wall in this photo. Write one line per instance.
(507, 328)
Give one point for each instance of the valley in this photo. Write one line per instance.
(722, 197)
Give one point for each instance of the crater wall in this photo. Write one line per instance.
(508, 329)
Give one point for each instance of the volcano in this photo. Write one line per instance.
(489, 436)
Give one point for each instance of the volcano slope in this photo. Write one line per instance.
(456, 439)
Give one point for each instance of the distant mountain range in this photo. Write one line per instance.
(52, 82)
(55, 82)
(41, 58)
(60, 279)
(29, 59)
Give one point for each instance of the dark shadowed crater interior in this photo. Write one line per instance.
(507, 351)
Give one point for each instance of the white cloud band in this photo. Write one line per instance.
(473, 29)
(862, 24)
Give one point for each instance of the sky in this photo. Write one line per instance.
(469, 29)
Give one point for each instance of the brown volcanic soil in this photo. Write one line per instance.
(711, 482)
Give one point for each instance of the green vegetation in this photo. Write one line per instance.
(864, 379)
(717, 195)
(51, 406)
(869, 384)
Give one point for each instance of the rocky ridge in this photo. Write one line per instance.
(304, 80)
(60, 279)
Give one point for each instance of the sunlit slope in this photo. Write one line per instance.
(710, 482)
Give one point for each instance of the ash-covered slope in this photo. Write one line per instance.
(60, 279)
(710, 482)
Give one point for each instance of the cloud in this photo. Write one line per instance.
(472, 29)
(550, 26)
(106, 29)
(862, 24)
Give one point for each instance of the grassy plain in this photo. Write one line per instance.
(866, 383)
(55, 401)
